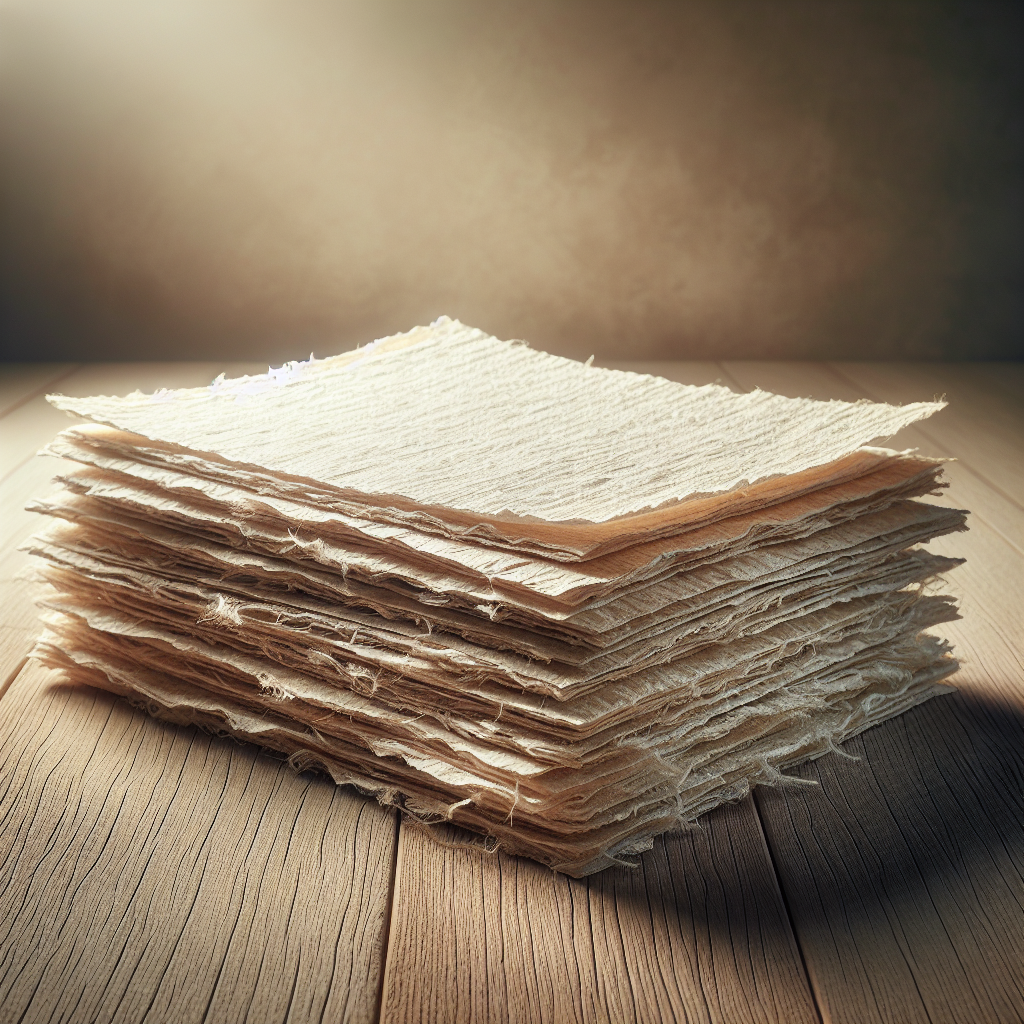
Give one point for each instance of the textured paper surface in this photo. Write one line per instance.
(306, 532)
(449, 419)
(565, 609)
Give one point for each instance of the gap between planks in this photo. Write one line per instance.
(152, 872)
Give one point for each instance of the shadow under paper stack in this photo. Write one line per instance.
(565, 607)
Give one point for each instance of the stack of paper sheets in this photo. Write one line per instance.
(564, 607)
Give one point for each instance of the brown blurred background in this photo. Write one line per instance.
(636, 180)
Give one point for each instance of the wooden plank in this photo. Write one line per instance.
(20, 382)
(592, 952)
(151, 872)
(904, 871)
(25, 431)
(698, 932)
(1003, 379)
(983, 425)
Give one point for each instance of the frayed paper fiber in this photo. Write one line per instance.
(563, 607)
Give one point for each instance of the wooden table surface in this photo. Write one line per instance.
(153, 873)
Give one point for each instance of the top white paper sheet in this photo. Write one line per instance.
(449, 417)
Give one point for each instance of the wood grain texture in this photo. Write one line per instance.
(904, 870)
(20, 382)
(698, 933)
(1005, 379)
(154, 873)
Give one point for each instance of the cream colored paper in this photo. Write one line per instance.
(495, 437)
(563, 608)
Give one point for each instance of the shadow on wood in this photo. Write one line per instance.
(901, 872)
(909, 864)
